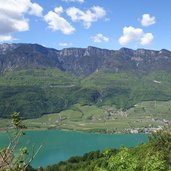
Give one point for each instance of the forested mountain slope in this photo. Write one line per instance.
(36, 80)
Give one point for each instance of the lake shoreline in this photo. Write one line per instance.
(77, 131)
(60, 145)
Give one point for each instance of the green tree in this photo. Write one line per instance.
(154, 161)
(123, 160)
(13, 158)
(161, 141)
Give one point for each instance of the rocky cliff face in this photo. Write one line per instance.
(4, 48)
(82, 61)
(27, 55)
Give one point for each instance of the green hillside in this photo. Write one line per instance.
(35, 92)
(126, 89)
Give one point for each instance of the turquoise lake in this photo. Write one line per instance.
(61, 145)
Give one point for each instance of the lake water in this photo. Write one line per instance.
(60, 145)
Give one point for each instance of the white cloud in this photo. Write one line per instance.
(147, 20)
(5, 38)
(80, 1)
(65, 44)
(56, 22)
(59, 10)
(99, 38)
(12, 16)
(146, 39)
(131, 34)
(87, 17)
(36, 9)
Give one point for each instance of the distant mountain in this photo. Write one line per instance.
(82, 61)
(36, 80)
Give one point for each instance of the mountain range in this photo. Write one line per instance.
(83, 61)
(36, 80)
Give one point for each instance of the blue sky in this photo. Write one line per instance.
(110, 24)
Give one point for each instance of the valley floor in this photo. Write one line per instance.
(144, 117)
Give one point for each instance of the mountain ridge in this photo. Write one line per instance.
(82, 61)
(35, 80)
